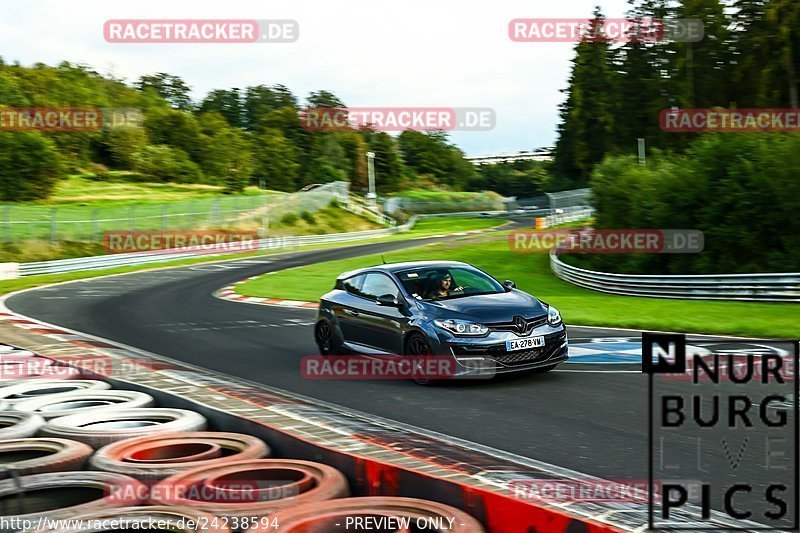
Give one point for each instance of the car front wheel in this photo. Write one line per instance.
(323, 336)
(418, 349)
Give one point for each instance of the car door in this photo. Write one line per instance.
(377, 326)
(348, 306)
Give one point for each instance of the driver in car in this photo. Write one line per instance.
(443, 286)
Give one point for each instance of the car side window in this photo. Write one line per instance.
(376, 285)
(353, 285)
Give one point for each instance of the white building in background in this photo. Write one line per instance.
(539, 154)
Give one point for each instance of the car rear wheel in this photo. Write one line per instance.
(323, 336)
(419, 350)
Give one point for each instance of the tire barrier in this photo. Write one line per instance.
(251, 488)
(84, 402)
(148, 519)
(23, 457)
(155, 458)
(388, 514)
(18, 425)
(60, 495)
(103, 427)
(20, 368)
(28, 390)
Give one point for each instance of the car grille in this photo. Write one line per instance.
(530, 325)
(498, 352)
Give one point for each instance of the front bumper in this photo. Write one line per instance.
(486, 356)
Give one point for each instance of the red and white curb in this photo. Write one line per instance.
(229, 292)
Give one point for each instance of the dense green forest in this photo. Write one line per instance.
(749, 57)
(741, 189)
(233, 137)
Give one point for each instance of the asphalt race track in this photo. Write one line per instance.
(590, 415)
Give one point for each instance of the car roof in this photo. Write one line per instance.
(391, 268)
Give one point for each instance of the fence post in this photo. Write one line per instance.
(190, 225)
(53, 225)
(7, 223)
(95, 226)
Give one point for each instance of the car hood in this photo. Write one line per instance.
(501, 307)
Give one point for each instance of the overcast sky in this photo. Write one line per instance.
(446, 53)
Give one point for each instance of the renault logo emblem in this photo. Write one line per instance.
(520, 323)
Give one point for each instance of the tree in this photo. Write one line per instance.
(260, 100)
(123, 143)
(178, 129)
(587, 114)
(226, 103)
(167, 164)
(172, 88)
(29, 166)
(355, 152)
(431, 153)
(275, 160)
(324, 99)
(390, 171)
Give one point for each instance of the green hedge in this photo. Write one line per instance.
(741, 190)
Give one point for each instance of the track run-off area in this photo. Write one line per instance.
(590, 415)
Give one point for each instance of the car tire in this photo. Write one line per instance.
(325, 338)
(112, 425)
(77, 492)
(154, 458)
(84, 402)
(39, 388)
(306, 482)
(418, 347)
(56, 455)
(18, 425)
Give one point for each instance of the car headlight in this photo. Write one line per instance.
(553, 316)
(462, 327)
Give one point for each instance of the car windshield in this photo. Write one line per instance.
(439, 283)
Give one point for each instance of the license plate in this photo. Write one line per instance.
(524, 344)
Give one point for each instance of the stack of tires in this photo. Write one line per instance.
(78, 450)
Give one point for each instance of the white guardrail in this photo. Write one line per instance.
(780, 287)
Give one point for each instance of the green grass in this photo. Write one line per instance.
(77, 190)
(532, 273)
(424, 194)
(83, 209)
(326, 220)
(423, 228)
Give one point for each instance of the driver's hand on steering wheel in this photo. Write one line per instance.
(459, 288)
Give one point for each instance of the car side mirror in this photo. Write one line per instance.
(508, 284)
(388, 300)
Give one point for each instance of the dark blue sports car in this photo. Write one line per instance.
(440, 308)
